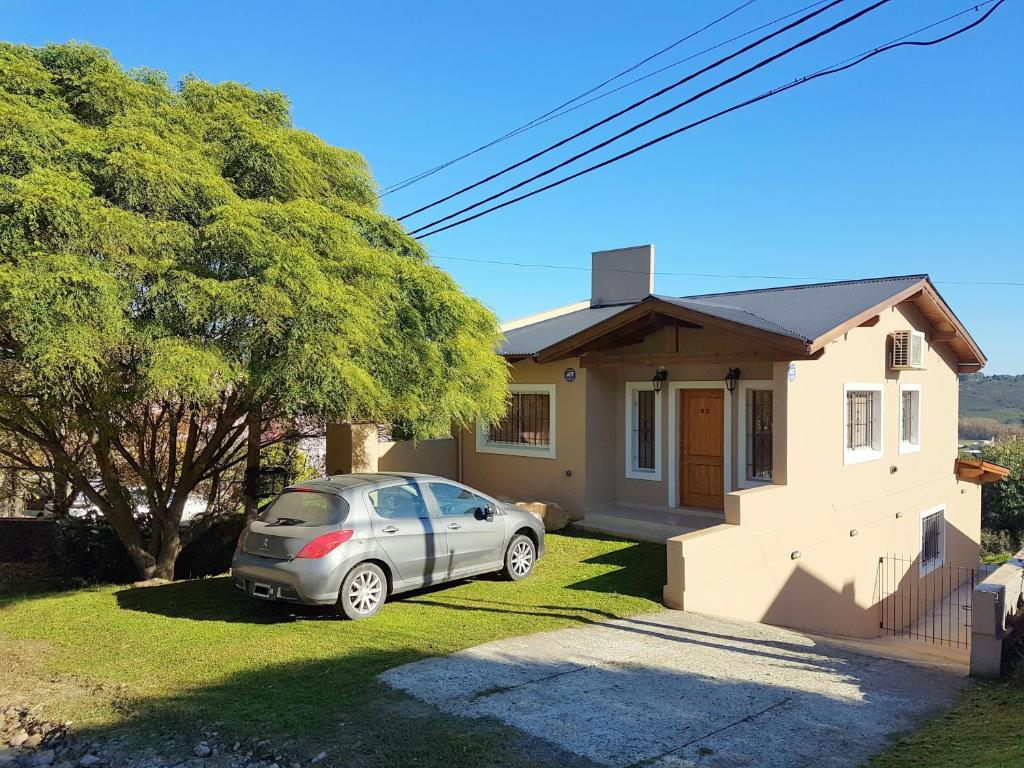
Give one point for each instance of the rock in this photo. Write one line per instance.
(150, 583)
(319, 758)
(89, 760)
(42, 758)
(555, 516)
(19, 738)
(32, 741)
(202, 749)
(237, 746)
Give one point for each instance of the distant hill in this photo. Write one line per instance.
(990, 404)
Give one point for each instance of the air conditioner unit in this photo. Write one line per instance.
(907, 350)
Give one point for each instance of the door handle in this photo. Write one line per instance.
(454, 526)
(389, 529)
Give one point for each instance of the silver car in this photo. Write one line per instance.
(353, 540)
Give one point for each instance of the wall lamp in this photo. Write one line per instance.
(731, 378)
(659, 377)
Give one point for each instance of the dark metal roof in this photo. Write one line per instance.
(531, 339)
(803, 312)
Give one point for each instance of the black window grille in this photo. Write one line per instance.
(860, 428)
(527, 422)
(759, 434)
(644, 429)
(931, 538)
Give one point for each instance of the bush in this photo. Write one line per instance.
(87, 548)
(997, 542)
(1002, 503)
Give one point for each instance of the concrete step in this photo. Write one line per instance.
(646, 523)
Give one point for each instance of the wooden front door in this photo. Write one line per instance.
(701, 454)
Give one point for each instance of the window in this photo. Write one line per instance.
(643, 431)
(398, 502)
(910, 418)
(528, 427)
(305, 508)
(933, 539)
(863, 422)
(455, 501)
(757, 437)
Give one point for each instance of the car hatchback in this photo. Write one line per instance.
(353, 540)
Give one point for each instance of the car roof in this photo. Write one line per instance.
(357, 479)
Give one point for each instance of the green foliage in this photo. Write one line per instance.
(193, 240)
(172, 259)
(1002, 503)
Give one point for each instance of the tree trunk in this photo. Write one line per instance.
(252, 460)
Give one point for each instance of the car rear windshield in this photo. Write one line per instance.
(306, 508)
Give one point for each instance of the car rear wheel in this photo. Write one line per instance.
(520, 558)
(363, 592)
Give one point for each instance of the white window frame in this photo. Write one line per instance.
(741, 431)
(633, 472)
(862, 455)
(673, 434)
(905, 446)
(926, 568)
(484, 445)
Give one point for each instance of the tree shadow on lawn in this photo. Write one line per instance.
(514, 709)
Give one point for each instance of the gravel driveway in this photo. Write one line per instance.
(681, 689)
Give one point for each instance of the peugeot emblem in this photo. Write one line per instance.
(265, 544)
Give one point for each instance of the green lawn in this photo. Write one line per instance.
(198, 653)
(984, 730)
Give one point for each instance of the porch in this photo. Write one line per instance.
(647, 523)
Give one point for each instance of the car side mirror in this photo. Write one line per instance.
(485, 513)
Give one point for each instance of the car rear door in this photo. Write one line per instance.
(474, 542)
(408, 534)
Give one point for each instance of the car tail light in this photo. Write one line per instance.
(325, 544)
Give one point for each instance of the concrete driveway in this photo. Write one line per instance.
(681, 689)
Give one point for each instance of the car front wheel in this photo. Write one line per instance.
(362, 592)
(520, 558)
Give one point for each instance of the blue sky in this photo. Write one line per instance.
(909, 163)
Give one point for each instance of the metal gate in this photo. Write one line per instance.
(931, 604)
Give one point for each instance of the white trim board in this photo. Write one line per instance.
(673, 437)
(741, 430)
(483, 446)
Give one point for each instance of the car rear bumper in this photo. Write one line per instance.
(310, 582)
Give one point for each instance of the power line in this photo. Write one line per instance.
(667, 67)
(835, 69)
(701, 274)
(542, 118)
(635, 105)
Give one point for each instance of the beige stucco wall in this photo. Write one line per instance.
(433, 457)
(746, 569)
(561, 479)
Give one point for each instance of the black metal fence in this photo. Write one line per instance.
(931, 604)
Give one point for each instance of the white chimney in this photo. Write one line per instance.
(621, 275)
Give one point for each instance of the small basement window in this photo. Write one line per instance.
(910, 418)
(862, 423)
(528, 427)
(643, 431)
(933, 539)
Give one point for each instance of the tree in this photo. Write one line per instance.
(1002, 503)
(174, 259)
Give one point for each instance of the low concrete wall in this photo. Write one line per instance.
(792, 558)
(433, 457)
(357, 448)
(996, 601)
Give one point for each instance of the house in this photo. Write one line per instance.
(781, 441)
